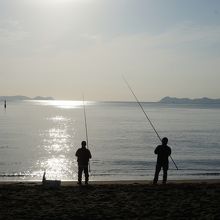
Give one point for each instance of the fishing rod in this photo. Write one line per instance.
(146, 115)
(86, 127)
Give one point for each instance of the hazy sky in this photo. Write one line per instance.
(63, 48)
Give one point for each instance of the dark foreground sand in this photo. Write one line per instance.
(111, 200)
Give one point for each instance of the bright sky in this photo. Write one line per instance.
(63, 48)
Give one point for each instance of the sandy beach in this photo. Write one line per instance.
(111, 200)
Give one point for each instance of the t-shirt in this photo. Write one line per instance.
(83, 156)
(163, 152)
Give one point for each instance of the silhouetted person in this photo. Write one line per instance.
(163, 152)
(83, 155)
(5, 105)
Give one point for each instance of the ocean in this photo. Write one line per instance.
(44, 135)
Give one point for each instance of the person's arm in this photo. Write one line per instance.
(156, 150)
(90, 155)
(77, 153)
(169, 151)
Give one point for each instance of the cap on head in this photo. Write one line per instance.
(83, 143)
(164, 140)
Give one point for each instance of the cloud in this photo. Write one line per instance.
(91, 37)
(11, 32)
(187, 34)
(187, 37)
(183, 35)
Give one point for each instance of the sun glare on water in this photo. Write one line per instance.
(63, 104)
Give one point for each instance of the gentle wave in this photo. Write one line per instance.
(15, 175)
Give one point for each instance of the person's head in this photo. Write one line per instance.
(165, 141)
(83, 143)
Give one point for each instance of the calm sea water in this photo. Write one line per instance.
(44, 135)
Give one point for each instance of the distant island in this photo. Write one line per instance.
(174, 100)
(21, 98)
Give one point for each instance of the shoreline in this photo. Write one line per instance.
(118, 182)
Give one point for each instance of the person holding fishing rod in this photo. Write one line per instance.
(163, 152)
(83, 156)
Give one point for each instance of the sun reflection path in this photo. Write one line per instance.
(59, 167)
(57, 159)
(57, 140)
(57, 153)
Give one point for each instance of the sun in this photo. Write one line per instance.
(57, 1)
(61, 1)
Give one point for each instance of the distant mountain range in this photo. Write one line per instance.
(166, 100)
(20, 98)
(174, 100)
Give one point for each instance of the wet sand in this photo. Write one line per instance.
(111, 200)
